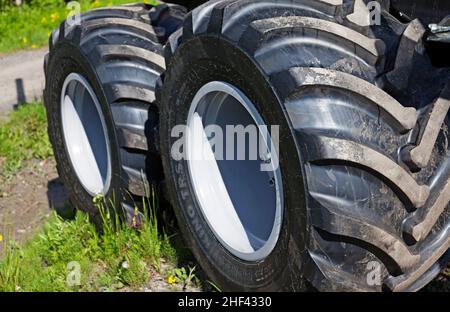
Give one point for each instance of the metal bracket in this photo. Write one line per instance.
(440, 32)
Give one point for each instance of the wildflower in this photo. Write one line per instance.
(33, 46)
(1, 237)
(54, 17)
(171, 279)
(25, 40)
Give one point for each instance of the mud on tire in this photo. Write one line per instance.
(363, 141)
(118, 53)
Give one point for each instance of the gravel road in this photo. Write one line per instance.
(21, 78)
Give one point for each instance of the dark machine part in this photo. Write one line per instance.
(436, 15)
(429, 11)
(440, 32)
(190, 4)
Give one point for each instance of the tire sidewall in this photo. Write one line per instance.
(197, 62)
(66, 58)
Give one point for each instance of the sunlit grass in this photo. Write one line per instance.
(29, 26)
(118, 256)
(23, 137)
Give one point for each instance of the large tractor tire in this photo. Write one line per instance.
(360, 199)
(101, 76)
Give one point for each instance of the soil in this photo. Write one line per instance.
(26, 199)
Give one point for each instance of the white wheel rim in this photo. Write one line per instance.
(242, 206)
(85, 135)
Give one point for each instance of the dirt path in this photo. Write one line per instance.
(27, 199)
(21, 78)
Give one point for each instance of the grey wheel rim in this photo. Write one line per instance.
(242, 205)
(85, 135)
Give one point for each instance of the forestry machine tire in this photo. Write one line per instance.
(360, 199)
(101, 77)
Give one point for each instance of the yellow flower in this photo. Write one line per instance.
(96, 4)
(54, 16)
(171, 279)
(1, 237)
(25, 40)
(33, 46)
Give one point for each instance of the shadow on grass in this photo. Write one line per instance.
(58, 200)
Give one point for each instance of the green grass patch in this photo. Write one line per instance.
(74, 256)
(120, 256)
(23, 137)
(29, 26)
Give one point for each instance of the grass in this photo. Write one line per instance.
(74, 256)
(119, 257)
(23, 137)
(29, 26)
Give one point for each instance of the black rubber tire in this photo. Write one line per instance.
(119, 51)
(350, 111)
